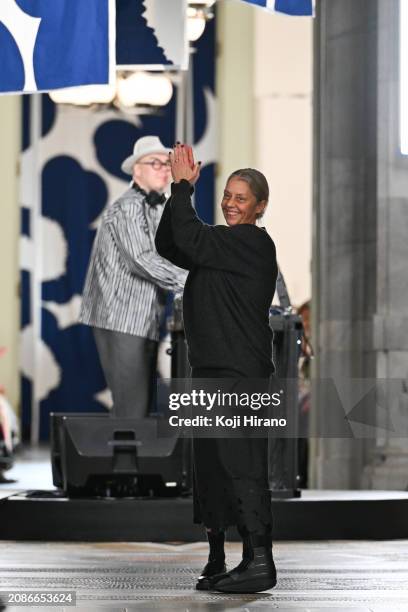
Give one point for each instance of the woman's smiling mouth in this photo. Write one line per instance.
(232, 213)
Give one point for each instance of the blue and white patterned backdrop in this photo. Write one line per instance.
(45, 45)
(151, 32)
(80, 155)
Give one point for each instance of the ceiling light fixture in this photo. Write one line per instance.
(198, 13)
(130, 91)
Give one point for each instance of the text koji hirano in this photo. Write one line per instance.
(223, 421)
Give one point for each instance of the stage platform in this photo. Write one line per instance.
(317, 515)
(31, 509)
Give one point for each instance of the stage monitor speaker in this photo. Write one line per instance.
(102, 455)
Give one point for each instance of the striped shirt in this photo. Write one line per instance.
(127, 280)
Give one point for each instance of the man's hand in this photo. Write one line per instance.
(183, 165)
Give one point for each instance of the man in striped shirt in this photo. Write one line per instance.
(127, 281)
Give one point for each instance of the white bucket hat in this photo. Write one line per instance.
(144, 146)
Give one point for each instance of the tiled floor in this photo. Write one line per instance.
(353, 576)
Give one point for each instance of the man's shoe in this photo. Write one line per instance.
(213, 568)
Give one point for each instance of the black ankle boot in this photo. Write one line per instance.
(247, 552)
(216, 559)
(255, 573)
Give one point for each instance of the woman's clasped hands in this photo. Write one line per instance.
(183, 165)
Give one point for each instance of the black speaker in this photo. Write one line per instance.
(102, 455)
(180, 367)
(283, 452)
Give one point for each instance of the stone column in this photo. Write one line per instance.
(347, 227)
(388, 464)
(360, 239)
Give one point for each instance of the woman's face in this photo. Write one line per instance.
(239, 204)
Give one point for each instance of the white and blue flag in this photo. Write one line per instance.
(289, 7)
(49, 44)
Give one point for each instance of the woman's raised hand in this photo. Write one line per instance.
(183, 165)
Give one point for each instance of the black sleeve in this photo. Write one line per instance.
(165, 244)
(213, 246)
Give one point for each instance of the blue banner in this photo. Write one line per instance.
(151, 32)
(47, 45)
(289, 7)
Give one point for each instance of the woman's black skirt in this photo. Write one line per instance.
(230, 485)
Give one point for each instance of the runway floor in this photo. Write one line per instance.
(353, 576)
(358, 576)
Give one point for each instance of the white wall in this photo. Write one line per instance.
(10, 122)
(234, 88)
(264, 84)
(283, 108)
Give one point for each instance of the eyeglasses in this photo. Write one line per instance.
(156, 164)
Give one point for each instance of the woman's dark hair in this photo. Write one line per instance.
(256, 181)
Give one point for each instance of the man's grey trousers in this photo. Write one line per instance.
(129, 364)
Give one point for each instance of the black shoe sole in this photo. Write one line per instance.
(254, 585)
(203, 585)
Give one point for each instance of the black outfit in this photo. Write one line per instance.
(226, 302)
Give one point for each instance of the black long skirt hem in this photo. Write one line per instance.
(230, 484)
